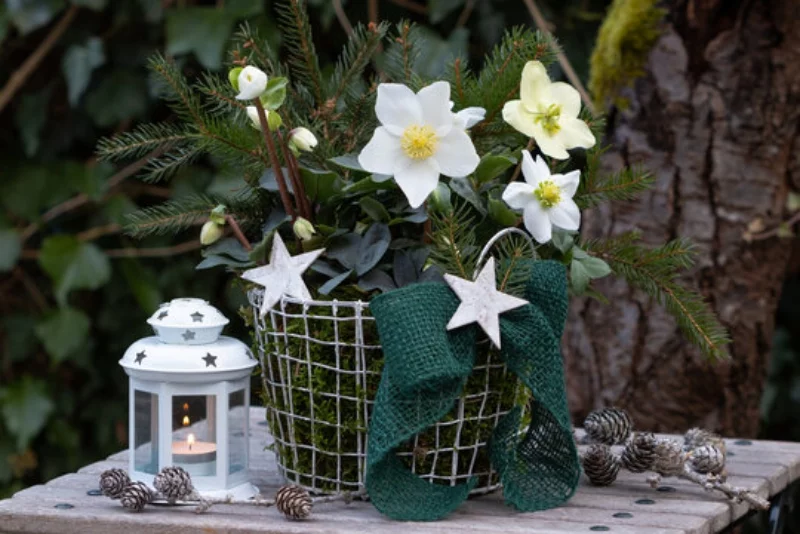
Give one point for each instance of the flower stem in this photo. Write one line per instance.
(297, 183)
(237, 231)
(273, 156)
(528, 148)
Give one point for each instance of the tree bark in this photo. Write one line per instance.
(715, 117)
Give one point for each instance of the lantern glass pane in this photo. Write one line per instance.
(194, 434)
(145, 432)
(237, 432)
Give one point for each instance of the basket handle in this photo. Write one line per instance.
(483, 256)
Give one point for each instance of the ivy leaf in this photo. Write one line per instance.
(491, 166)
(78, 64)
(103, 102)
(30, 117)
(29, 15)
(10, 247)
(373, 246)
(20, 336)
(203, 31)
(26, 407)
(73, 264)
(63, 333)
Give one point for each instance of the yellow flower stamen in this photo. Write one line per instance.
(549, 119)
(548, 194)
(419, 142)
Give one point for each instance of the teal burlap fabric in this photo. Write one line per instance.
(425, 370)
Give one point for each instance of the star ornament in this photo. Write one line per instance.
(283, 275)
(481, 302)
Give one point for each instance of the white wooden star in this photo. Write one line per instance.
(283, 275)
(481, 302)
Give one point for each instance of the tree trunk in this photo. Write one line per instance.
(715, 117)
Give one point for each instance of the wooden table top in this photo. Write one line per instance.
(70, 504)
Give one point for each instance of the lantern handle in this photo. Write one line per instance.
(483, 256)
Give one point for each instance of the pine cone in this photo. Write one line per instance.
(609, 425)
(640, 453)
(670, 457)
(707, 459)
(113, 481)
(174, 483)
(697, 437)
(600, 465)
(294, 502)
(135, 496)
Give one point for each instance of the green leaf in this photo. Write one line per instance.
(579, 278)
(142, 284)
(30, 117)
(20, 338)
(374, 209)
(77, 65)
(275, 93)
(10, 247)
(96, 5)
(595, 267)
(4, 21)
(73, 265)
(491, 166)
(344, 249)
(440, 201)
(28, 15)
(501, 213)
(373, 246)
(320, 185)
(334, 282)
(103, 101)
(26, 407)
(63, 333)
(203, 31)
(563, 241)
(439, 9)
(348, 161)
(463, 188)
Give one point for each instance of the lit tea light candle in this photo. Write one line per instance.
(199, 458)
(186, 421)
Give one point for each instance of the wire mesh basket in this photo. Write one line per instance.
(320, 367)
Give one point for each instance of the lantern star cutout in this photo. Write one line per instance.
(139, 357)
(481, 302)
(283, 275)
(209, 359)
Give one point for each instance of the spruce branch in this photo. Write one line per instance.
(303, 58)
(165, 166)
(361, 46)
(144, 139)
(453, 241)
(655, 271)
(619, 186)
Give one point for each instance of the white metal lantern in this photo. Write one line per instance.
(189, 400)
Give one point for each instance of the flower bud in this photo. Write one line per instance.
(252, 82)
(302, 139)
(303, 229)
(440, 201)
(210, 233)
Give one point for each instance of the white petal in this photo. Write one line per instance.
(565, 215)
(534, 84)
(469, 117)
(382, 152)
(568, 183)
(536, 171)
(537, 222)
(567, 97)
(397, 107)
(252, 82)
(252, 114)
(518, 195)
(575, 133)
(434, 100)
(550, 145)
(515, 114)
(456, 154)
(417, 179)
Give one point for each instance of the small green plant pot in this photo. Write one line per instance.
(321, 365)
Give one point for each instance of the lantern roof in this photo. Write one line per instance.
(188, 346)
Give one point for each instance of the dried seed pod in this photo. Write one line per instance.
(707, 459)
(293, 502)
(697, 437)
(600, 464)
(175, 483)
(640, 453)
(670, 457)
(609, 425)
(135, 496)
(113, 481)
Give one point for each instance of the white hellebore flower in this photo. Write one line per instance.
(303, 139)
(252, 83)
(545, 199)
(252, 114)
(419, 139)
(548, 112)
(469, 117)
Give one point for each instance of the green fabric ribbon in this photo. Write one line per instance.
(425, 370)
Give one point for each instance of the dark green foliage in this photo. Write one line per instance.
(619, 186)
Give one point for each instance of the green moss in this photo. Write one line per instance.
(330, 444)
(624, 41)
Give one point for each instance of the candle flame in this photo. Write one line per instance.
(190, 440)
(185, 406)
(185, 420)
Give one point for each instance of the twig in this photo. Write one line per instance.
(775, 231)
(465, 13)
(17, 79)
(33, 290)
(342, 17)
(712, 482)
(372, 11)
(528, 148)
(411, 6)
(237, 231)
(204, 503)
(132, 252)
(572, 76)
(273, 156)
(99, 231)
